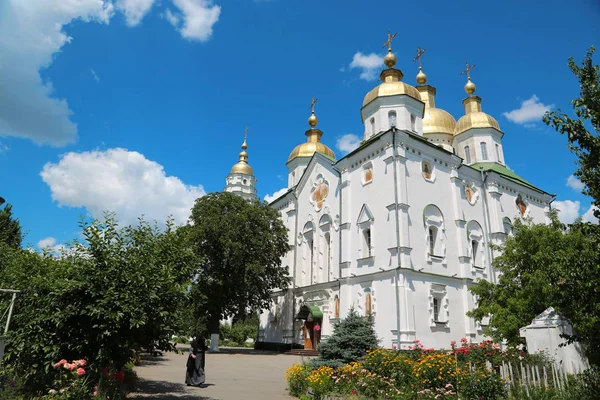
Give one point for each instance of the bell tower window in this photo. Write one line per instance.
(372, 125)
(484, 154)
(467, 154)
(392, 119)
(413, 121)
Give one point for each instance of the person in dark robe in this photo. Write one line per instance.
(194, 375)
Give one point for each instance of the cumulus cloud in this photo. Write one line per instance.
(574, 183)
(195, 18)
(369, 64)
(531, 110)
(134, 10)
(29, 37)
(347, 143)
(49, 244)
(121, 181)
(270, 197)
(589, 215)
(568, 210)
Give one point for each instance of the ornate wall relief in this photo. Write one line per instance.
(427, 170)
(471, 192)
(367, 175)
(319, 192)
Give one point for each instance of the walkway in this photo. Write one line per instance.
(232, 374)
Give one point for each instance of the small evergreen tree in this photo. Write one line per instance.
(351, 339)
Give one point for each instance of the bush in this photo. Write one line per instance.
(482, 384)
(297, 379)
(351, 339)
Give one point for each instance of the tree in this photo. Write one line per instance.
(118, 293)
(10, 228)
(240, 245)
(351, 339)
(585, 144)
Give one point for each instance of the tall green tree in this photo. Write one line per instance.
(118, 292)
(584, 142)
(239, 245)
(10, 228)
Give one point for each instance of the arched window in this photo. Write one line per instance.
(498, 153)
(311, 249)
(368, 304)
(484, 155)
(392, 118)
(508, 230)
(475, 235)
(308, 254)
(432, 238)
(336, 302)
(434, 227)
(372, 125)
(467, 154)
(413, 123)
(327, 254)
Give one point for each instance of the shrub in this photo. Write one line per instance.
(436, 370)
(351, 339)
(320, 381)
(482, 384)
(297, 379)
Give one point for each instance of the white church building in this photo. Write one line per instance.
(399, 228)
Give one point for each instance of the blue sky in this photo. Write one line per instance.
(139, 106)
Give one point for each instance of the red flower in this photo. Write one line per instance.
(354, 391)
(105, 371)
(120, 376)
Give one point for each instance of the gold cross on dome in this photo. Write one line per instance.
(420, 52)
(312, 105)
(245, 133)
(389, 40)
(468, 70)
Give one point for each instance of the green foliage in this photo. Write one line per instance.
(482, 384)
(583, 142)
(240, 245)
(545, 265)
(10, 228)
(101, 302)
(240, 331)
(351, 339)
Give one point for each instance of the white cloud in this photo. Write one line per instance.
(574, 183)
(532, 110)
(121, 181)
(568, 210)
(134, 10)
(369, 64)
(347, 143)
(94, 75)
(589, 215)
(49, 244)
(29, 37)
(172, 18)
(270, 197)
(196, 18)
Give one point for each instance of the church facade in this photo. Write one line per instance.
(401, 227)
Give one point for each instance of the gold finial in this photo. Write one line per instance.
(470, 86)
(312, 120)
(421, 77)
(390, 58)
(244, 145)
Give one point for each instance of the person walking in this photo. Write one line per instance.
(194, 375)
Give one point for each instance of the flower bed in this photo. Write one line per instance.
(468, 370)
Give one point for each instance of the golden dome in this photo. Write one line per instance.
(310, 148)
(476, 119)
(470, 87)
(436, 120)
(242, 166)
(421, 77)
(391, 89)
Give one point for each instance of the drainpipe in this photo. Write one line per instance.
(340, 239)
(486, 216)
(395, 152)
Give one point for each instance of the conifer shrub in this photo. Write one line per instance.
(351, 339)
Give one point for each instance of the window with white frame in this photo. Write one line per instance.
(438, 305)
(498, 153)
(327, 254)
(484, 154)
(367, 242)
(392, 119)
(475, 235)
(467, 154)
(434, 228)
(508, 229)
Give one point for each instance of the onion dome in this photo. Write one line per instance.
(435, 120)
(313, 142)
(474, 117)
(242, 166)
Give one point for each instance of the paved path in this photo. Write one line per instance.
(232, 374)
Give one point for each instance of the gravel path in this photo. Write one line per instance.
(232, 374)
